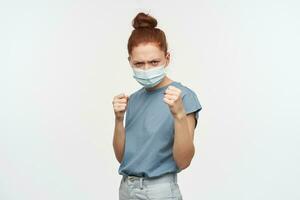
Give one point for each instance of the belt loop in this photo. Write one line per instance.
(175, 177)
(141, 182)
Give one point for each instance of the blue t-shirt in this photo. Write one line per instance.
(149, 130)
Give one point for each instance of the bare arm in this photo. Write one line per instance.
(183, 148)
(184, 125)
(120, 105)
(119, 139)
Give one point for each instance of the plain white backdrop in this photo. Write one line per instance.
(61, 63)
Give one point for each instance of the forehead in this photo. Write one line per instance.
(146, 51)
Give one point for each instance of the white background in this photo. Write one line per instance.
(63, 61)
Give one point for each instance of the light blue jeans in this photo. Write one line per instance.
(164, 187)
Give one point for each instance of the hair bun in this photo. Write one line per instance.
(143, 20)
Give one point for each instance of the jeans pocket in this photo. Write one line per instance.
(176, 191)
(123, 191)
(159, 191)
(121, 184)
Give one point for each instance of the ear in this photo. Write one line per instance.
(129, 58)
(168, 57)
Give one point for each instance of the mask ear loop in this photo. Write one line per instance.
(166, 68)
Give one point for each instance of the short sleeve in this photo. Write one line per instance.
(191, 104)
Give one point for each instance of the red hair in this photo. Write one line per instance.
(145, 31)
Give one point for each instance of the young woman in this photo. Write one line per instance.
(157, 141)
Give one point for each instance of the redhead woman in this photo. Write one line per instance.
(157, 140)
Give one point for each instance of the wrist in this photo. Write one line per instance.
(180, 115)
(119, 119)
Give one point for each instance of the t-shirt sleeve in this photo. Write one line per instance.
(191, 104)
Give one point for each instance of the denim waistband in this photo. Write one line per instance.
(169, 177)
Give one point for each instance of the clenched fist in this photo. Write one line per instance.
(120, 105)
(172, 97)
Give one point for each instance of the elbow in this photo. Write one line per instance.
(185, 161)
(183, 165)
(119, 158)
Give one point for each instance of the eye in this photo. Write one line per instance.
(154, 62)
(138, 64)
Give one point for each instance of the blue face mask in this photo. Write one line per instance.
(150, 77)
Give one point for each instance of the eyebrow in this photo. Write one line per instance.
(155, 59)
